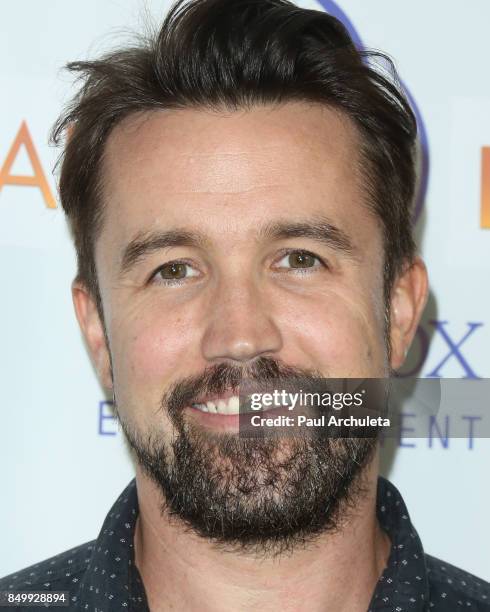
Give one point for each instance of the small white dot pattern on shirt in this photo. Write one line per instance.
(101, 576)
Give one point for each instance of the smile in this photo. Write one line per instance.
(230, 405)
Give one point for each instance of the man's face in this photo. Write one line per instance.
(262, 251)
(231, 181)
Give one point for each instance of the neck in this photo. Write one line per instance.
(182, 571)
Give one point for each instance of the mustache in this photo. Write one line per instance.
(215, 380)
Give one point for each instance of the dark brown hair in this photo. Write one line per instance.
(233, 54)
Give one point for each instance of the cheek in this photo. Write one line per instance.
(152, 351)
(341, 333)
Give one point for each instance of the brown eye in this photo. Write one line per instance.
(301, 260)
(173, 271)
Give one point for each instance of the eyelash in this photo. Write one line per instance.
(286, 253)
(169, 281)
(320, 260)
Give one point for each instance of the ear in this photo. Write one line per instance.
(408, 299)
(93, 331)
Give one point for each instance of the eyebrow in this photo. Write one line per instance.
(321, 230)
(147, 242)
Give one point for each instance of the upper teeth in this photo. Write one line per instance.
(219, 406)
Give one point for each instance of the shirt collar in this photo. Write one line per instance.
(404, 583)
(112, 581)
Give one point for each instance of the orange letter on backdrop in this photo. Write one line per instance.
(38, 179)
(485, 187)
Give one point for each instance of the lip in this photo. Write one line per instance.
(216, 422)
(230, 423)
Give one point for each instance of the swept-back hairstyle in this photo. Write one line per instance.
(234, 54)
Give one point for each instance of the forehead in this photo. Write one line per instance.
(233, 168)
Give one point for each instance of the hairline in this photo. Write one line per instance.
(362, 159)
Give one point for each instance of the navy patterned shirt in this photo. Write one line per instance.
(101, 576)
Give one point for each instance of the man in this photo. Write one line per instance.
(239, 192)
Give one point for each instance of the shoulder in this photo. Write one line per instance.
(450, 585)
(58, 573)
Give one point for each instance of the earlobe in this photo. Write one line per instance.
(408, 299)
(92, 329)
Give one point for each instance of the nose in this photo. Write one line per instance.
(240, 325)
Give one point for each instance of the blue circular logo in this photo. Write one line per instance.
(333, 9)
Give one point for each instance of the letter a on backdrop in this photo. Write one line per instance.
(38, 179)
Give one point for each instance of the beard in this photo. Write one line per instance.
(264, 496)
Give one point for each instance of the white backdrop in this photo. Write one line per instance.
(62, 460)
